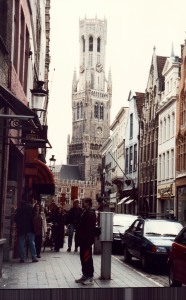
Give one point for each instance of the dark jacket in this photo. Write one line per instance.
(85, 233)
(24, 218)
(74, 216)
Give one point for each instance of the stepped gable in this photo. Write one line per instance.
(160, 65)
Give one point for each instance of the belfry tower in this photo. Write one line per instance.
(91, 100)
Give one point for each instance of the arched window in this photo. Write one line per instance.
(90, 43)
(96, 111)
(78, 111)
(101, 112)
(98, 44)
(83, 43)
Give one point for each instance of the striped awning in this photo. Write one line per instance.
(43, 181)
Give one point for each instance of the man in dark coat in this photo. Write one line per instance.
(24, 220)
(85, 236)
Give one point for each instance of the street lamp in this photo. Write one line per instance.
(52, 163)
(39, 95)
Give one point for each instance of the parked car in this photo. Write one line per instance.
(150, 240)
(121, 222)
(177, 260)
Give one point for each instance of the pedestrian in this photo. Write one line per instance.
(39, 228)
(58, 228)
(24, 219)
(72, 221)
(52, 209)
(85, 236)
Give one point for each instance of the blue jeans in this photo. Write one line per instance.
(31, 243)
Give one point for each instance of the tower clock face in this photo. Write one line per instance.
(99, 130)
(99, 68)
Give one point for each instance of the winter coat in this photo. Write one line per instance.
(85, 232)
(74, 216)
(24, 219)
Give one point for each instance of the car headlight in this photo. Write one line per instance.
(159, 249)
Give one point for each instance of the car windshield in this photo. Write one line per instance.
(159, 227)
(123, 220)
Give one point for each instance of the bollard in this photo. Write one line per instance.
(106, 238)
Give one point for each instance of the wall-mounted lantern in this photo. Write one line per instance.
(39, 95)
(52, 163)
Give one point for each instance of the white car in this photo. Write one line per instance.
(121, 222)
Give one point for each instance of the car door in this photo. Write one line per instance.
(179, 256)
(135, 238)
(138, 238)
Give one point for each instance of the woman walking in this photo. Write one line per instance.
(58, 221)
(39, 228)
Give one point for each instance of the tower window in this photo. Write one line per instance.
(78, 111)
(83, 43)
(90, 43)
(81, 110)
(101, 111)
(98, 44)
(96, 111)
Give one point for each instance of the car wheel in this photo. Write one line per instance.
(145, 263)
(127, 256)
(172, 280)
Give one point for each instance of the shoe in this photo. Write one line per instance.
(80, 280)
(75, 250)
(21, 261)
(34, 260)
(38, 256)
(88, 281)
(69, 250)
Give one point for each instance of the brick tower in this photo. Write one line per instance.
(91, 100)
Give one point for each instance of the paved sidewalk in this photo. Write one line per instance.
(60, 269)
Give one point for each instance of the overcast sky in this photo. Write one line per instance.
(134, 27)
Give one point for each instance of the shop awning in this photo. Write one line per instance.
(7, 98)
(123, 200)
(43, 182)
(33, 134)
